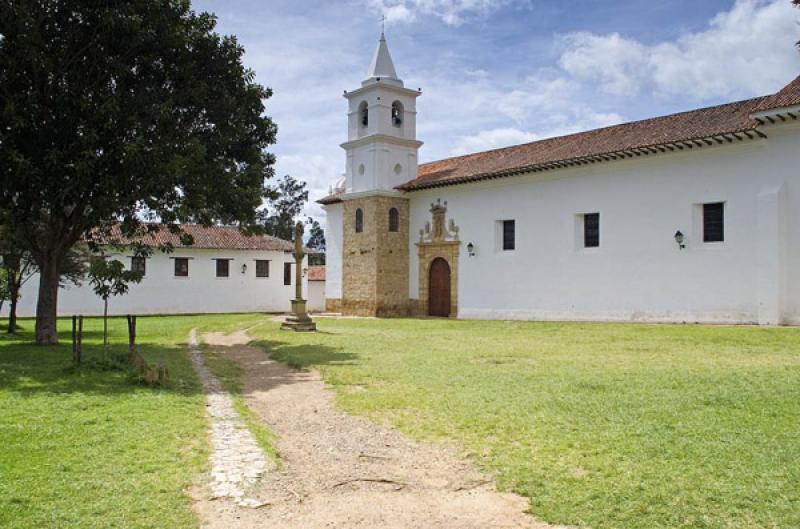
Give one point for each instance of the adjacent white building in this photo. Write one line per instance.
(223, 271)
(690, 217)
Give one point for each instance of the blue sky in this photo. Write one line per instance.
(502, 72)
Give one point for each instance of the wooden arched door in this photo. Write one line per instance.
(439, 288)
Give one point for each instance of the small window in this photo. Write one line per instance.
(359, 220)
(508, 234)
(714, 222)
(287, 273)
(394, 220)
(591, 230)
(139, 264)
(223, 267)
(181, 267)
(262, 268)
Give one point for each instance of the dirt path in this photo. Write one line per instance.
(346, 472)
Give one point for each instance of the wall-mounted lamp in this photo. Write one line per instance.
(471, 250)
(679, 239)
(244, 268)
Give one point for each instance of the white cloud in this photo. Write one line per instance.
(451, 12)
(492, 139)
(507, 136)
(534, 95)
(742, 52)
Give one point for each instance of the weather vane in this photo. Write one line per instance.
(383, 24)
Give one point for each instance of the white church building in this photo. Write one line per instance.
(691, 217)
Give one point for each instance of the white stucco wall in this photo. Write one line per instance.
(160, 292)
(333, 250)
(316, 296)
(638, 272)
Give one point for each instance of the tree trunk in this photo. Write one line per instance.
(12, 312)
(46, 306)
(105, 327)
(13, 294)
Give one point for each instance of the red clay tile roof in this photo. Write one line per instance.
(211, 238)
(789, 96)
(330, 199)
(649, 135)
(316, 273)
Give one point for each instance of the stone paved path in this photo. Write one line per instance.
(237, 462)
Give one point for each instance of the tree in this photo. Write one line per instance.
(285, 204)
(120, 111)
(4, 292)
(19, 266)
(109, 277)
(316, 240)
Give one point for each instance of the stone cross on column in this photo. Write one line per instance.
(298, 320)
(298, 259)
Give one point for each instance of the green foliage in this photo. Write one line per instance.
(316, 240)
(5, 293)
(118, 111)
(600, 425)
(109, 277)
(285, 204)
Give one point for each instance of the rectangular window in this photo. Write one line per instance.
(508, 234)
(139, 264)
(287, 273)
(591, 230)
(181, 267)
(714, 222)
(262, 268)
(223, 267)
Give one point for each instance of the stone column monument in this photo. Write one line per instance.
(299, 320)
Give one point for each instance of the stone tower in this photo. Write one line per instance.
(381, 154)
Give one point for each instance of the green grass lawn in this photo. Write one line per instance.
(600, 425)
(93, 448)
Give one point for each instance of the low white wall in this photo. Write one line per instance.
(160, 292)
(638, 273)
(316, 296)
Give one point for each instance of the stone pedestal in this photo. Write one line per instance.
(299, 320)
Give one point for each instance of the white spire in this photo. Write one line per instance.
(382, 65)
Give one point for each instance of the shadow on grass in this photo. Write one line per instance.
(28, 369)
(306, 355)
(291, 366)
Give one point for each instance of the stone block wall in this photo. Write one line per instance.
(333, 305)
(375, 261)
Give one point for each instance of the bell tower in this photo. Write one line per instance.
(381, 152)
(381, 141)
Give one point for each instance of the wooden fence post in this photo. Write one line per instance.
(131, 335)
(75, 339)
(79, 349)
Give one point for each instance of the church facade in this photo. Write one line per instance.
(692, 217)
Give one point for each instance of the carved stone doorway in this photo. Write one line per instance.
(439, 294)
(438, 265)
